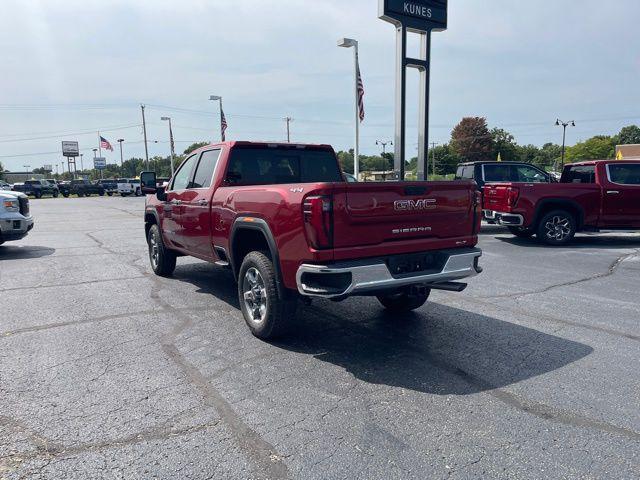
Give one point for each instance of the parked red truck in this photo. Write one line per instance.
(283, 218)
(591, 196)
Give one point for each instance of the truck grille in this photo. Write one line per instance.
(24, 206)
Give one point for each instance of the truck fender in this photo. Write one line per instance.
(255, 224)
(572, 204)
(148, 214)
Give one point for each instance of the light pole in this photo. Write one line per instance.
(216, 98)
(168, 119)
(81, 162)
(288, 120)
(348, 43)
(564, 134)
(120, 140)
(28, 167)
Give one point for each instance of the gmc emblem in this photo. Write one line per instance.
(409, 205)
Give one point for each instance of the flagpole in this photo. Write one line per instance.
(356, 150)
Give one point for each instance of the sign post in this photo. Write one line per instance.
(71, 150)
(421, 17)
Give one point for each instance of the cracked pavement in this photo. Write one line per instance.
(107, 371)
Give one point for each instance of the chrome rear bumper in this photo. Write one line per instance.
(373, 275)
(506, 219)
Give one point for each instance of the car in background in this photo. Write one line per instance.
(129, 186)
(110, 185)
(4, 185)
(84, 188)
(37, 188)
(15, 220)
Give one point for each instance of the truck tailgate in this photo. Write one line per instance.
(496, 197)
(369, 214)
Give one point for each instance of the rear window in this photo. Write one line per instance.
(628, 174)
(272, 166)
(579, 174)
(32, 182)
(465, 172)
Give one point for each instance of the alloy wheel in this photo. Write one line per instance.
(558, 228)
(255, 296)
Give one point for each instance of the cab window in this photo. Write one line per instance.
(497, 173)
(182, 178)
(579, 174)
(628, 174)
(206, 167)
(465, 172)
(527, 174)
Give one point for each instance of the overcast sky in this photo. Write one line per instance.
(71, 67)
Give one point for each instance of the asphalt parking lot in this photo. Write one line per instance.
(107, 371)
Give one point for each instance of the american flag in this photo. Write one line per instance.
(173, 145)
(104, 143)
(360, 91)
(223, 125)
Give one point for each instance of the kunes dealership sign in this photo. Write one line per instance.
(420, 15)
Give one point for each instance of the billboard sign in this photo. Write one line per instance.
(100, 163)
(70, 149)
(48, 168)
(420, 15)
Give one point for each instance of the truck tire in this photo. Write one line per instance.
(163, 260)
(138, 192)
(557, 228)
(404, 301)
(110, 194)
(65, 195)
(101, 194)
(56, 194)
(80, 195)
(266, 313)
(38, 194)
(522, 232)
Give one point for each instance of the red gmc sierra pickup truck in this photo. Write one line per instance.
(591, 196)
(283, 218)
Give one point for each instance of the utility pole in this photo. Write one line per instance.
(384, 151)
(171, 143)
(351, 43)
(81, 163)
(144, 129)
(120, 140)
(564, 134)
(288, 120)
(433, 158)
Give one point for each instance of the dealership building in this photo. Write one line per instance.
(628, 152)
(20, 177)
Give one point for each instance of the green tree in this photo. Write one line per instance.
(629, 135)
(195, 147)
(504, 144)
(446, 159)
(472, 140)
(600, 147)
(346, 160)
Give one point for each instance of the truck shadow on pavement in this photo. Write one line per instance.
(439, 350)
(24, 253)
(600, 241)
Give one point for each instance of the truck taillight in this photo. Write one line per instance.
(513, 194)
(318, 212)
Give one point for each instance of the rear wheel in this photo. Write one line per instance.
(405, 300)
(522, 232)
(101, 194)
(110, 194)
(557, 228)
(38, 194)
(266, 313)
(163, 260)
(56, 194)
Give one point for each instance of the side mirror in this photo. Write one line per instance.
(148, 183)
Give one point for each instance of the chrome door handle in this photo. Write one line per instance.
(203, 202)
(176, 202)
(613, 192)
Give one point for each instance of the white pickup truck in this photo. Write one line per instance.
(129, 186)
(15, 220)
